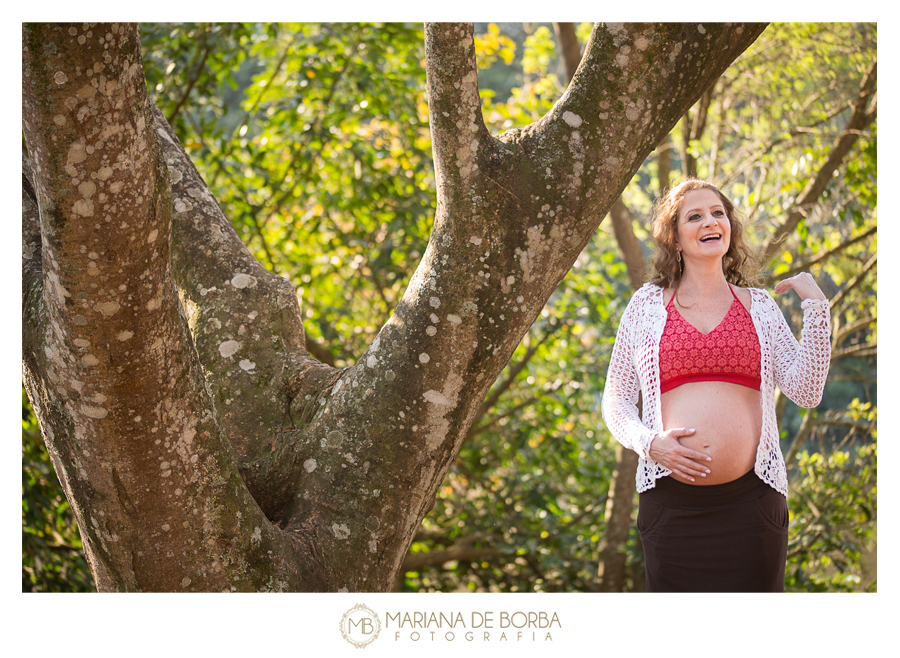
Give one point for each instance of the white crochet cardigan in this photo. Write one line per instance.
(799, 370)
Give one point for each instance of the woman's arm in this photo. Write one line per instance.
(622, 388)
(801, 369)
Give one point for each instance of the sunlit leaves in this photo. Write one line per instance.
(540, 51)
(538, 92)
(490, 46)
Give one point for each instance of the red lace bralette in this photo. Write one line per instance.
(728, 353)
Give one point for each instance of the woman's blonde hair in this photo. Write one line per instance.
(738, 263)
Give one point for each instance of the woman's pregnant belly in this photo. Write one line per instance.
(728, 420)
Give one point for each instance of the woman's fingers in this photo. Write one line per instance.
(803, 284)
(692, 467)
(695, 455)
(687, 471)
(689, 463)
(783, 286)
(677, 433)
(667, 450)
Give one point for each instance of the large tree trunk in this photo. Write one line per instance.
(199, 444)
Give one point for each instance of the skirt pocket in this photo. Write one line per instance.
(650, 513)
(773, 509)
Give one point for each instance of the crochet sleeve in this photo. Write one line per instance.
(801, 369)
(620, 393)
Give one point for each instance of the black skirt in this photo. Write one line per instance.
(729, 537)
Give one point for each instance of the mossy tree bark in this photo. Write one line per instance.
(200, 445)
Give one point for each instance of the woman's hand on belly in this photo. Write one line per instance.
(728, 422)
(666, 449)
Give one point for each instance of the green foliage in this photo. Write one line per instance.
(832, 521)
(777, 113)
(490, 46)
(538, 92)
(540, 52)
(187, 67)
(52, 555)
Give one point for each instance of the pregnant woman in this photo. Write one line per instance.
(706, 352)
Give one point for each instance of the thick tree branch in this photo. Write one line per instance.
(248, 332)
(814, 189)
(32, 284)
(659, 72)
(246, 321)
(457, 125)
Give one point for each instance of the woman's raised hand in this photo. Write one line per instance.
(803, 284)
(666, 449)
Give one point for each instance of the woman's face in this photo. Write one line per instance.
(704, 231)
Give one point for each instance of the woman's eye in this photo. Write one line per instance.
(719, 213)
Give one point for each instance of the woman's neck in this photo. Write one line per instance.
(703, 281)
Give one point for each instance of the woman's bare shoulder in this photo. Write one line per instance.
(744, 295)
(667, 295)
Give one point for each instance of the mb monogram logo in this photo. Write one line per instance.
(360, 626)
